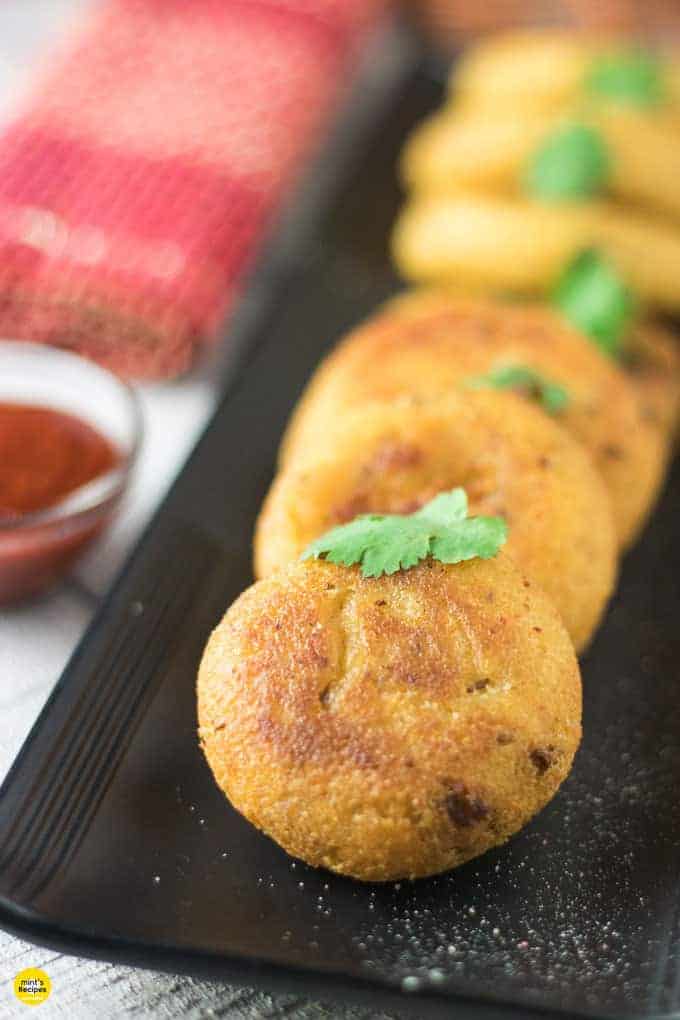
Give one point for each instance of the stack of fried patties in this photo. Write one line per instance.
(135, 187)
(397, 693)
(548, 145)
(507, 400)
(389, 710)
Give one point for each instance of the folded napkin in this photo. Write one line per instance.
(136, 184)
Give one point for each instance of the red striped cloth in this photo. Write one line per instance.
(134, 188)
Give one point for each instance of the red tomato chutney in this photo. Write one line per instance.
(45, 456)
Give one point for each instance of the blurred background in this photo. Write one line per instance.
(148, 147)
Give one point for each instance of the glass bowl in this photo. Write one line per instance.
(36, 548)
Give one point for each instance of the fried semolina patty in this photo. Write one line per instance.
(542, 69)
(523, 69)
(391, 727)
(493, 151)
(428, 344)
(485, 242)
(650, 360)
(509, 457)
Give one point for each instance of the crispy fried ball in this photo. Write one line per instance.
(491, 151)
(428, 344)
(394, 727)
(539, 70)
(510, 458)
(490, 243)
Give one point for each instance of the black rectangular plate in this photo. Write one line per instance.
(115, 842)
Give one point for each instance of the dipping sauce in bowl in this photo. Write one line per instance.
(69, 433)
(46, 455)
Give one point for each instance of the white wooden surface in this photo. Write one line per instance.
(36, 641)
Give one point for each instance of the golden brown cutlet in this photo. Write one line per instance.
(429, 344)
(512, 460)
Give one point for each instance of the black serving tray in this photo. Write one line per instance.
(115, 842)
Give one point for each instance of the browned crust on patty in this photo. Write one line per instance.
(429, 343)
(512, 460)
(390, 727)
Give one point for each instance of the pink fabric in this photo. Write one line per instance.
(134, 189)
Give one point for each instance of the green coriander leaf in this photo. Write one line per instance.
(632, 77)
(398, 548)
(572, 162)
(478, 536)
(596, 300)
(445, 508)
(346, 543)
(384, 544)
(551, 396)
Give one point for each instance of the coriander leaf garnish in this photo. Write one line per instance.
(631, 77)
(551, 396)
(595, 299)
(572, 162)
(386, 543)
